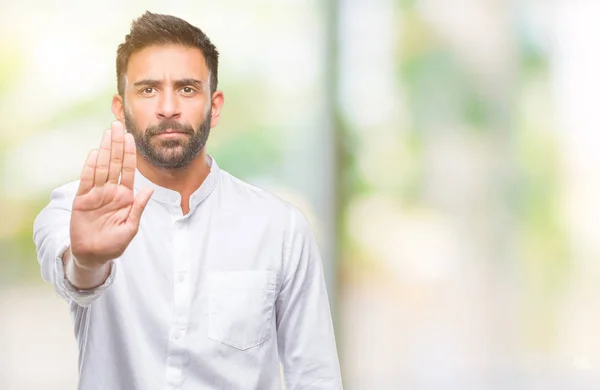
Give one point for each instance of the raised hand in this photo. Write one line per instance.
(106, 215)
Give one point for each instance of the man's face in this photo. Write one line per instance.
(167, 104)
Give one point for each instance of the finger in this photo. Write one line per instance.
(116, 152)
(139, 204)
(103, 161)
(129, 161)
(86, 181)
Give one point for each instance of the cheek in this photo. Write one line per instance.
(198, 111)
(129, 110)
(141, 110)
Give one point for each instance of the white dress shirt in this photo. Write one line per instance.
(214, 299)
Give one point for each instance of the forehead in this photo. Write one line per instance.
(167, 62)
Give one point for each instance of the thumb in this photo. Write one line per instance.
(139, 204)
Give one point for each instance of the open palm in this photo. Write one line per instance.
(106, 214)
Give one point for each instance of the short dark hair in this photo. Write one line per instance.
(156, 29)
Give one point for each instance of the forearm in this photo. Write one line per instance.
(72, 282)
(83, 277)
(306, 339)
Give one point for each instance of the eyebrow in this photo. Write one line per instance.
(177, 83)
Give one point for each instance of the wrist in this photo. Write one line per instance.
(81, 274)
(84, 263)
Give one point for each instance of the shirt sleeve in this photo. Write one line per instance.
(52, 237)
(305, 334)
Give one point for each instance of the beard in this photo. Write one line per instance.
(169, 153)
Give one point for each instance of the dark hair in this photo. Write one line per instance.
(157, 29)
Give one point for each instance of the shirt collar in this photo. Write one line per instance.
(166, 195)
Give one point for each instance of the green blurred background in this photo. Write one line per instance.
(446, 154)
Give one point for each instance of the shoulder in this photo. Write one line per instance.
(66, 191)
(260, 205)
(249, 198)
(252, 197)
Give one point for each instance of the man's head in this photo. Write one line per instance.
(167, 89)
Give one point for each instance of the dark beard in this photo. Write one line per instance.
(170, 153)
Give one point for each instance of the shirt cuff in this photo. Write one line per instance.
(83, 297)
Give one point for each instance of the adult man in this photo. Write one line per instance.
(178, 274)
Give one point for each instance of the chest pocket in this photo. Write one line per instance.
(241, 307)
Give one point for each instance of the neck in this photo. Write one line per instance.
(184, 180)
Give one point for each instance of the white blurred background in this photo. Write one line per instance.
(447, 154)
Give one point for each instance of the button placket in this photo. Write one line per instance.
(181, 301)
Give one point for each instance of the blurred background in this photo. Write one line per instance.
(446, 153)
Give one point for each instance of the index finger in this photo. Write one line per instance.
(129, 161)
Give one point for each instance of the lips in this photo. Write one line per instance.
(171, 133)
(169, 128)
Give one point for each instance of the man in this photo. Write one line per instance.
(179, 275)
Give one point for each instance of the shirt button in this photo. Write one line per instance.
(177, 335)
(181, 278)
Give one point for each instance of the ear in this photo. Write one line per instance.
(118, 108)
(215, 110)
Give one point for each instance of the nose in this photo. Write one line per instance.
(168, 107)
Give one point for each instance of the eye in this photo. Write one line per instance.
(147, 91)
(187, 90)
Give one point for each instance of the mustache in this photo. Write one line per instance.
(165, 125)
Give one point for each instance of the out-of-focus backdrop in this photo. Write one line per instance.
(447, 154)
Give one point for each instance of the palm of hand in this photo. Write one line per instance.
(106, 214)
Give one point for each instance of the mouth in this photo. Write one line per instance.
(170, 133)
